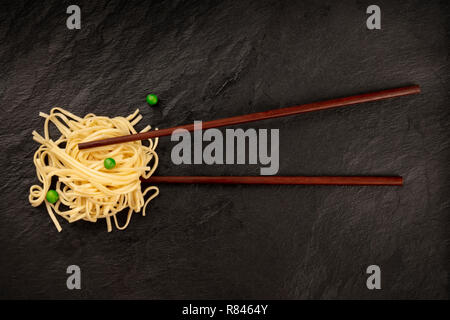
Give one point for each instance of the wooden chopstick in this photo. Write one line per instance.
(302, 180)
(282, 112)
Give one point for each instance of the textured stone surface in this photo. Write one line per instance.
(213, 59)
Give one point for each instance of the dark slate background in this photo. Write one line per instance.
(212, 59)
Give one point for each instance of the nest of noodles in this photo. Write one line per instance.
(87, 190)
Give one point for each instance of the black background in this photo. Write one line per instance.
(213, 59)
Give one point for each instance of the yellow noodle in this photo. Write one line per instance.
(84, 185)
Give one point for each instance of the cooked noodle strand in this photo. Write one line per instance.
(89, 190)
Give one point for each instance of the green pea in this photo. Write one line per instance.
(109, 163)
(152, 99)
(52, 196)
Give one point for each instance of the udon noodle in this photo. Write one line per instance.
(87, 190)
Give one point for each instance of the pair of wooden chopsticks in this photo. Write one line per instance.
(276, 113)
